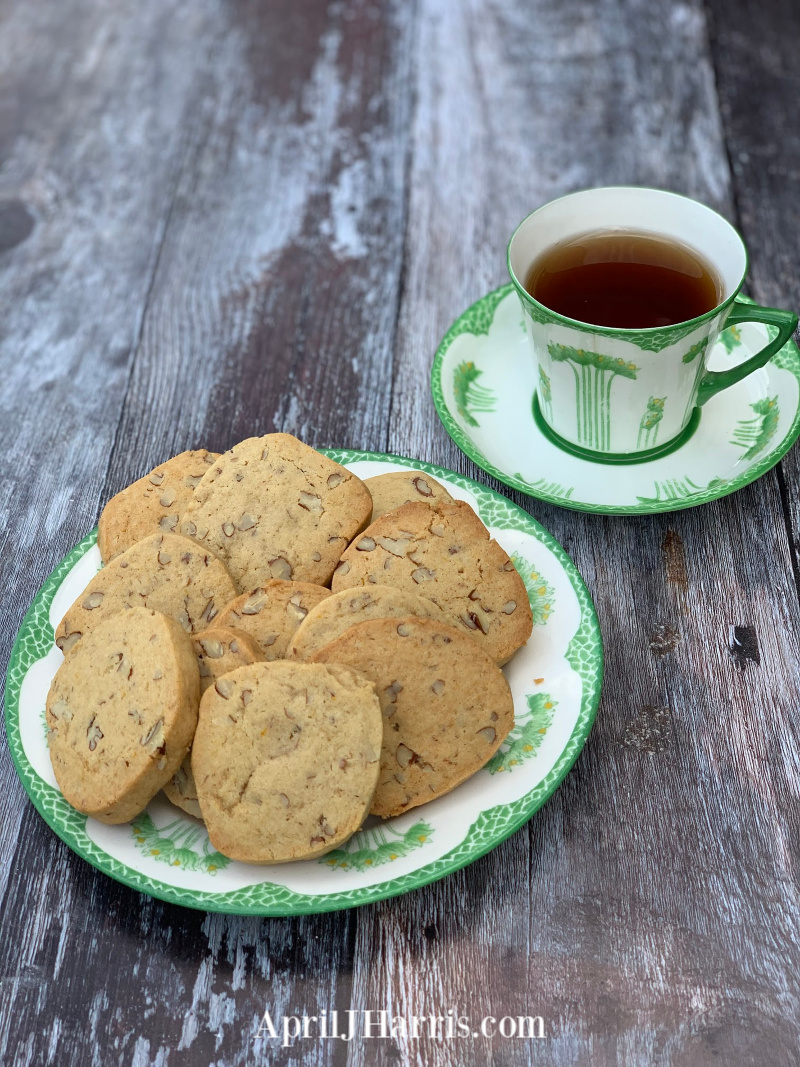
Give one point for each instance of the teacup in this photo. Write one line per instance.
(619, 395)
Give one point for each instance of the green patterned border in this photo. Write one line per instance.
(584, 654)
(787, 359)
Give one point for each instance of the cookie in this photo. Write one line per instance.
(274, 508)
(444, 552)
(219, 651)
(152, 504)
(340, 611)
(446, 705)
(272, 613)
(165, 572)
(121, 712)
(286, 759)
(390, 491)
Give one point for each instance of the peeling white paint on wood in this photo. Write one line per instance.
(251, 217)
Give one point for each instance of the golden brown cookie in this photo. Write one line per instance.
(446, 705)
(285, 759)
(165, 572)
(272, 613)
(219, 651)
(329, 619)
(272, 507)
(390, 491)
(444, 552)
(152, 504)
(121, 712)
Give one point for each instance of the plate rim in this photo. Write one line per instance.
(483, 309)
(34, 627)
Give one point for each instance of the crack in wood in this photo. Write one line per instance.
(743, 647)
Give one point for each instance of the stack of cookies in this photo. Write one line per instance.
(283, 649)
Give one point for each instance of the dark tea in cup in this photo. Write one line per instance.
(631, 281)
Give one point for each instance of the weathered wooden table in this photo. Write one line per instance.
(221, 217)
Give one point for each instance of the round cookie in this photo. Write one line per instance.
(165, 572)
(272, 613)
(390, 491)
(286, 759)
(443, 552)
(153, 503)
(344, 609)
(121, 712)
(219, 651)
(446, 705)
(272, 507)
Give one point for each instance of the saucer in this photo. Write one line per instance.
(484, 387)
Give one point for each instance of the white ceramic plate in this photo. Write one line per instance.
(555, 680)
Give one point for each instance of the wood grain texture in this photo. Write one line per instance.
(650, 914)
(756, 64)
(274, 301)
(226, 217)
(90, 160)
(268, 302)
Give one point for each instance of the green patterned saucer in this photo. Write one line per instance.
(483, 387)
(555, 681)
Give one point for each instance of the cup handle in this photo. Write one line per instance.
(713, 381)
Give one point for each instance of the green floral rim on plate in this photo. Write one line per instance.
(493, 825)
(475, 394)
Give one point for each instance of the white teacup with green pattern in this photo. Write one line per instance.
(616, 395)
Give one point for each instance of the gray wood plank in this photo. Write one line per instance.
(92, 132)
(756, 65)
(275, 301)
(272, 304)
(649, 912)
(89, 130)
